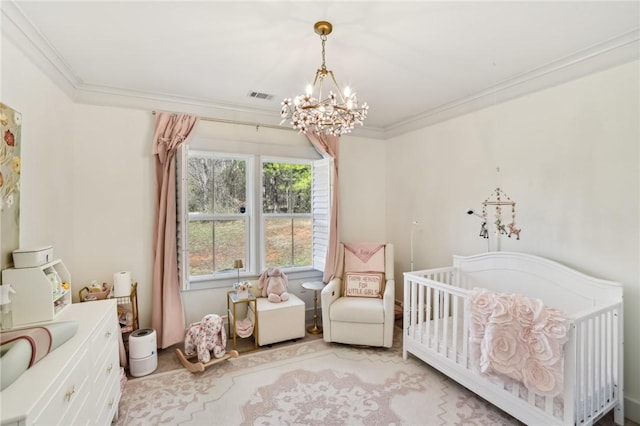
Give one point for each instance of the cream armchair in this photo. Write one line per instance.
(359, 320)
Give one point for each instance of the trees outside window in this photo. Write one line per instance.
(222, 226)
(286, 208)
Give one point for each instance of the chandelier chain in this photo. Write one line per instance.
(324, 39)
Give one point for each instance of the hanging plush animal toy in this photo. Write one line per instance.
(205, 337)
(273, 283)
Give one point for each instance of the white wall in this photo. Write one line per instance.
(46, 209)
(362, 171)
(114, 198)
(568, 156)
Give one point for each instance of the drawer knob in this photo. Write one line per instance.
(107, 334)
(111, 403)
(109, 368)
(69, 394)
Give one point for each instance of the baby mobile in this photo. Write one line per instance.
(499, 199)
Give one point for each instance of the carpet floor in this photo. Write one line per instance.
(308, 383)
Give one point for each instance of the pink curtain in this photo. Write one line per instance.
(327, 145)
(167, 315)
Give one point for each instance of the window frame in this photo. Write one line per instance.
(254, 263)
(247, 216)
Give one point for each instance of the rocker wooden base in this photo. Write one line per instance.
(199, 367)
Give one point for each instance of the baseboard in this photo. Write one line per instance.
(632, 409)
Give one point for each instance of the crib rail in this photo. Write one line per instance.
(598, 371)
(434, 312)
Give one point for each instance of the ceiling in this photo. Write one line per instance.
(413, 62)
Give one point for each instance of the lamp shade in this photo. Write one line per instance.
(237, 264)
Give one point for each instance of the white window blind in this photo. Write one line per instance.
(321, 191)
(181, 216)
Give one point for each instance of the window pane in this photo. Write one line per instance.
(286, 188)
(302, 237)
(230, 243)
(301, 188)
(214, 245)
(216, 185)
(200, 243)
(199, 185)
(229, 186)
(287, 242)
(278, 242)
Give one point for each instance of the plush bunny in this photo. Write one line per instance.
(206, 336)
(273, 284)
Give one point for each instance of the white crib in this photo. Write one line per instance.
(436, 330)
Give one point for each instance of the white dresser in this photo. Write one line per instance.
(76, 384)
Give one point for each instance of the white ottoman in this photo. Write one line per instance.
(281, 321)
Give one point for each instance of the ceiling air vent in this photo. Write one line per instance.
(259, 95)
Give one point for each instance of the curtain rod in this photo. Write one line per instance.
(241, 123)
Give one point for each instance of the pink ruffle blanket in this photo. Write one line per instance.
(515, 337)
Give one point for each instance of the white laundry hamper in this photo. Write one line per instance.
(143, 352)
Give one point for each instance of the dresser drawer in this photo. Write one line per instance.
(107, 372)
(69, 396)
(105, 335)
(107, 405)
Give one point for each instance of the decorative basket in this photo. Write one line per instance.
(86, 295)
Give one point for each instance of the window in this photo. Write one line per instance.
(286, 214)
(217, 223)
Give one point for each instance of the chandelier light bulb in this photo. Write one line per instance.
(335, 114)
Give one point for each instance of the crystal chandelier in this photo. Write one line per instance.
(335, 114)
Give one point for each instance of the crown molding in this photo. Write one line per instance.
(28, 39)
(21, 31)
(616, 51)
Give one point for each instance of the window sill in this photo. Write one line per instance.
(292, 276)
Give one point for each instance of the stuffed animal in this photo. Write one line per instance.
(273, 284)
(206, 336)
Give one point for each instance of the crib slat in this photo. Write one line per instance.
(420, 311)
(445, 325)
(465, 335)
(610, 361)
(414, 291)
(578, 374)
(597, 370)
(548, 405)
(454, 338)
(436, 320)
(429, 317)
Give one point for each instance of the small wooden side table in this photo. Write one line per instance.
(315, 286)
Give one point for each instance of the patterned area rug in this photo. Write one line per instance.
(311, 383)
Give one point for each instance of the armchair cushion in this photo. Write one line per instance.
(360, 284)
(357, 310)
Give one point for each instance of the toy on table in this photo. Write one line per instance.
(273, 283)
